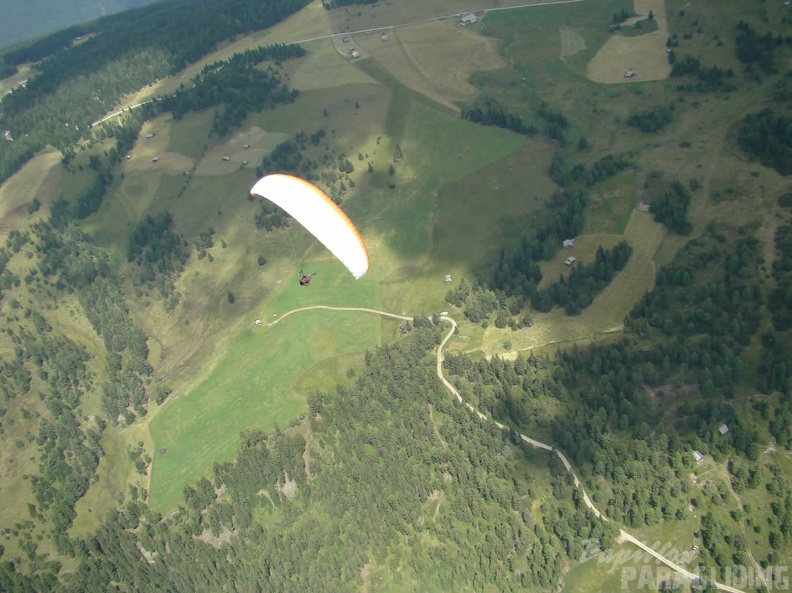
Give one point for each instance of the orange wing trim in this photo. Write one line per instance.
(338, 210)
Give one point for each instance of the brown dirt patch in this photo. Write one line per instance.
(288, 488)
(216, 540)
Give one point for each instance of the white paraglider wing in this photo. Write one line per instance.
(309, 206)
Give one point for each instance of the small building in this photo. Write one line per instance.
(570, 260)
(448, 279)
(569, 243)
(643, 207)
(723, 429)
(354, 53)
(630, 73)
(698, 456)
(258, 322)
(155, 159)
(163, 451)
(467, 19)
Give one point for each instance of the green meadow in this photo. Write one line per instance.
(252, 384)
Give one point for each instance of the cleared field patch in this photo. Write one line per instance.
(12, 82)
(229, 156)
(353, 117)
(251, 385)
(611, 204)
(623, 567)
(435, 59)
(645, 55)
(18, 191)
(644, 234)
(312, 21)
(190, 134)
(147, 149)
(585, 251)
(571, 42)
(606, 314)
(324, 67)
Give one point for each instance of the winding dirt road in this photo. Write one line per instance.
(623, 535)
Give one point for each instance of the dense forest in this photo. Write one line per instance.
(499, 118)
(670, 208)
(650, 120)
(768, 137)
(669, 385)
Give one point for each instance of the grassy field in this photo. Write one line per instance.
(324, 67)
(645, 54)
(252, 385)
(17, 193)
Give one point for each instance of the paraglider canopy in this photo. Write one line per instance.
(309, 206)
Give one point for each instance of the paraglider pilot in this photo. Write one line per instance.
(305, 279)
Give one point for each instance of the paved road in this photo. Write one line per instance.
(120, 111)
(624, 536)
(431, 19)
